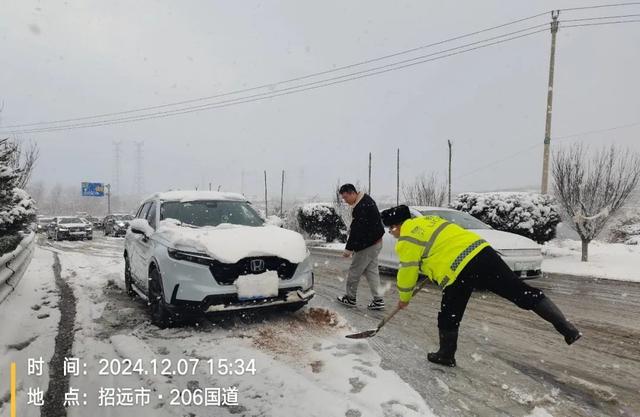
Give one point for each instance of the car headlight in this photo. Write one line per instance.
(63, 229)
(89, 229)
(195, 257)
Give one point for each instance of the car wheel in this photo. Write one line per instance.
(57, 237)
(127, 278)
(160, 315)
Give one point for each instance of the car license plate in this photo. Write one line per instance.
(77, 233)
(521, 266)
(258, 286)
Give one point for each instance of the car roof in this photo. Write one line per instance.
(196, 196)
(430, 208)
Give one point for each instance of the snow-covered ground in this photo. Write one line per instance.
(303, 363)
(606, 260)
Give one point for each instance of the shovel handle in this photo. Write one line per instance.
(395, 310)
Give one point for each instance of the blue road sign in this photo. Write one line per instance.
(93, 189)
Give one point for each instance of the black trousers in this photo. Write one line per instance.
(485, 271)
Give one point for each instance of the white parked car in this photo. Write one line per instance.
(202, 251)
(523, 255)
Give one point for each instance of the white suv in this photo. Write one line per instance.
(200, 251)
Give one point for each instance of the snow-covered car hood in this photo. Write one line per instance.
(505, 240)
(229, 243)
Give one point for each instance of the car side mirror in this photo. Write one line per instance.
(141, 227)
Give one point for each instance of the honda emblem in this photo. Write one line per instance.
(257, 265)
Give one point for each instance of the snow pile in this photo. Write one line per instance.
(229, 243)
(606, 260)
(321, 221)
(528, 214)
(258, 285)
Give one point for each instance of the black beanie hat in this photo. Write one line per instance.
(395, 215)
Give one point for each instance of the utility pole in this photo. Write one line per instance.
(281, 192)
(398, 178)
(369, 192)
(449, 142)
(547, 128)
(108, 187)
(139, 171)
(209, 186)
(266, 212)
(116, 165)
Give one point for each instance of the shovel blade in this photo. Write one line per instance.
(362, 335)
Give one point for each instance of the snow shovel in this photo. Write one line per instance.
(370, 333)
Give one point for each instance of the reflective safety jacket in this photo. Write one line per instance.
(436, 248)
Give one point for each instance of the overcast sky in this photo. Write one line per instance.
(77, 58)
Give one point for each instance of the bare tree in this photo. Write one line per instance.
(591, 187)
(426, 191)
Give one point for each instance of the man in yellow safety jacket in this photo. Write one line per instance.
(459, 261)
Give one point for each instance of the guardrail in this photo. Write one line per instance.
(14, 264)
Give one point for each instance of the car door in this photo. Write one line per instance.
(145, 247)
(134, 240)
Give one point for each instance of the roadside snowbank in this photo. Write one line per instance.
(606, 260)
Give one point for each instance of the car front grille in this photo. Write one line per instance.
(226, 274)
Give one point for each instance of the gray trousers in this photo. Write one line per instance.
(365, 262)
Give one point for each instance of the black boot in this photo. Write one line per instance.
(551, 313)
(448, 346)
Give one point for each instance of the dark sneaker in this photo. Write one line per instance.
(349, 302)
(440, 359)
(572, 336)
(376, 304)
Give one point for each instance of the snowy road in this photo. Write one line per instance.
(510, 362)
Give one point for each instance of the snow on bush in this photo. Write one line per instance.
(16, 206)
(531, 215)
(320, 220)
(626, 230)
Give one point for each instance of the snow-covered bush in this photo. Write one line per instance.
(626, 230)
(320, 220)
(17, 209)
(532, 215)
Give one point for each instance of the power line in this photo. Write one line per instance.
(600, 6)
(600, 18)
(290, 90)
(521, 151)
(305, 86)
(598, 24)
(300, 78)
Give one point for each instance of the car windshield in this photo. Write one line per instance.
(464, 220)
(210, 213)
(69, 220)
(123, 217)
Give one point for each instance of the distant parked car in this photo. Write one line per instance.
(43, 224)
(208, 252)
(521, 254)
(96, 222)
(116, 224)
(70, 228)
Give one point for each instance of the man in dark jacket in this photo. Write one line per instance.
(364, 244)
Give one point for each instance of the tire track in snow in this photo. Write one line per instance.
(58, 382)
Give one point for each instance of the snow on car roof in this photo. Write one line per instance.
(425, 208)
(198, 195)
